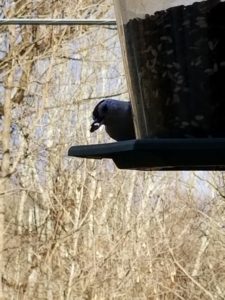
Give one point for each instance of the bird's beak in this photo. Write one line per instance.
(96, 125)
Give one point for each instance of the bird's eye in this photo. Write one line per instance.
(105, 108)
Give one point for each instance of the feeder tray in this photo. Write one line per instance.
(159, 154)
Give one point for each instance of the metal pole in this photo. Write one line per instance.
(46, 21)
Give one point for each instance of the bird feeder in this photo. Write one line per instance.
(174, 59)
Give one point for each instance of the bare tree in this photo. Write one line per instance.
(82, 229)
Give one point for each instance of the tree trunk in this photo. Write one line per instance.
(5, 167)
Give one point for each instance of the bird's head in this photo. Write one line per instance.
(99, 114)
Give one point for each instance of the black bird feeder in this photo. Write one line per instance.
(174, 57)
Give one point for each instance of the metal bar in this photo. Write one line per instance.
(46, 21)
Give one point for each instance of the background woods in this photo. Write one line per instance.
(82, 229)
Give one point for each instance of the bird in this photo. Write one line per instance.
(116, 115)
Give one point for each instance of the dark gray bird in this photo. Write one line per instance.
(116, 115)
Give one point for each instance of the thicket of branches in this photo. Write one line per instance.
(82, 229)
